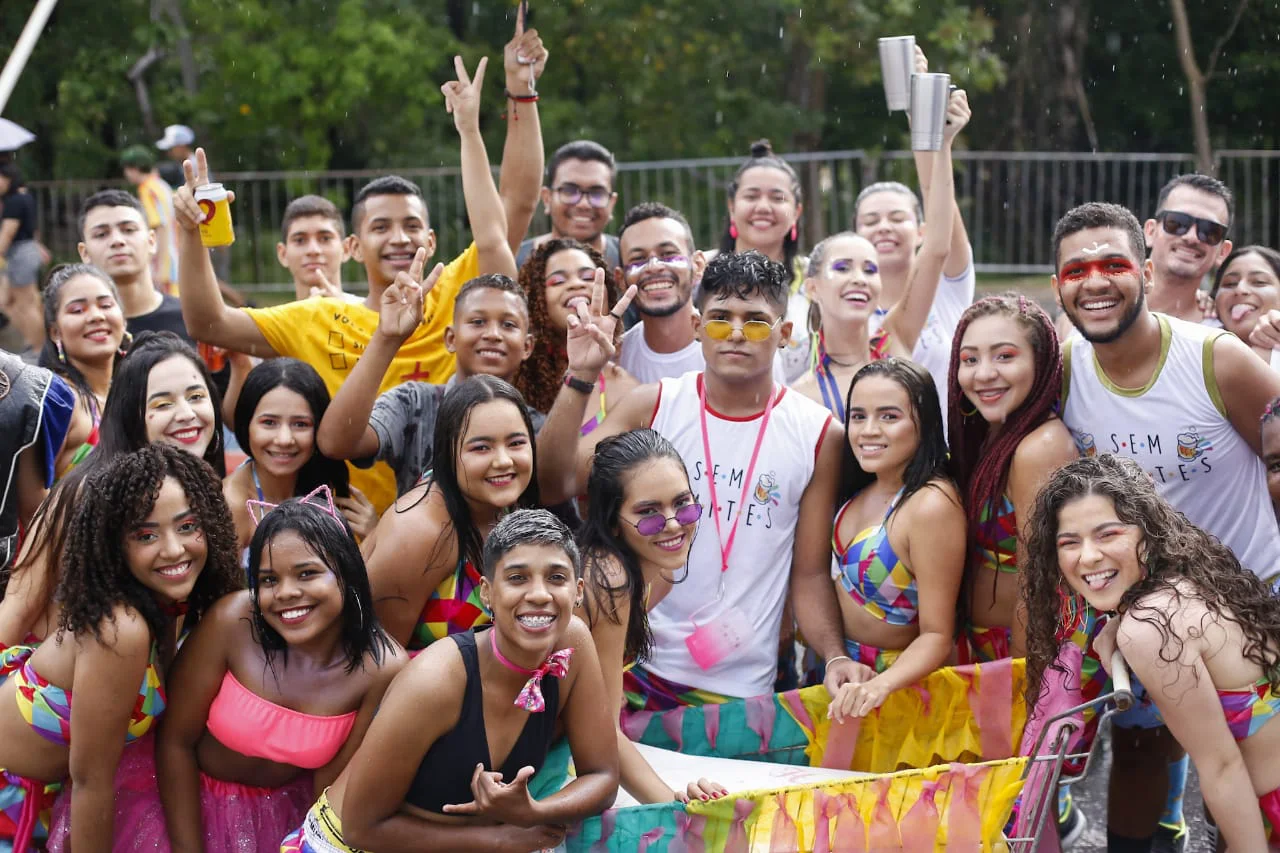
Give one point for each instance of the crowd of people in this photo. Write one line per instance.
(508, 498)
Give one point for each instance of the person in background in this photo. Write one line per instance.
(313, 248)
(1271, 451)
(1246, 287)
(579, 200)
(20, 256)
(1187, 237)
(157, 200)
(178, 144)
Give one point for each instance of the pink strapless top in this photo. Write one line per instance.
(242, 720)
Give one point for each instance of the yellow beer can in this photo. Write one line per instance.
(215, 227)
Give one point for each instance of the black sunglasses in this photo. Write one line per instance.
(1210, 233)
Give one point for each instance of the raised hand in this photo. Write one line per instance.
(922, 62)
(958, 114)
(589, 342)
(359, 512)
(524, 58)
(185, 210)
(503, 802)
(400, 311)
(462, 96)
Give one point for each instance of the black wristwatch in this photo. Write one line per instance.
(579, 385)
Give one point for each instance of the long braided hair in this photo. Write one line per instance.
(982, 471)
(540, 375)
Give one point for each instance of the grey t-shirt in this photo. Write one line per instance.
(611, 252)
(404, 419)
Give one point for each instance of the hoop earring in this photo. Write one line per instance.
(972, 412)
(360, 610)
(62, 356)
(814, 321)
(733, 230)
(125, 343)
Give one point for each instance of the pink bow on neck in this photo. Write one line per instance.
(530, 698)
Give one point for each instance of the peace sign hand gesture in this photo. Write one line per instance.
(524, 58)
(186, 211)
(400, 310)
(462, 96)
(589, 342)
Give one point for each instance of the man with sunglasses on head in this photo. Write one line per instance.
(764, 463)
(579, 198)
(1187, 238)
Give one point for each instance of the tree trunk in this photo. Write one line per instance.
(186, 57)
(1195, 86)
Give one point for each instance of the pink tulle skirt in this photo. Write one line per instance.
(236, 818)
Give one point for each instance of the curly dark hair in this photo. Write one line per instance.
(95, 572)
(1172, 549)
(540, 375)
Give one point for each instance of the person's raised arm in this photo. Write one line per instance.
(421, 707)
(958, 259)
(1184, 693)
(819, 618)
(206, 316)
(345, 432)
(484, 205)
(908, 316)
(563, 461)
(1246, 384)
(105, 684)
(192, 684)
(523, 59)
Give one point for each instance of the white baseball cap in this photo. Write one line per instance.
(176, 134)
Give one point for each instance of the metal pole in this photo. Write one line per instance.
(22, 50)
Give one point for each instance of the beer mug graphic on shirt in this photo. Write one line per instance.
(764, 487)
(215, 222)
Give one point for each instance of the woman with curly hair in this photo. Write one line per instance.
(85, 339)
(151, 547)
(161, 393)
(1006, 439)
(1201, 633)
(557, 279)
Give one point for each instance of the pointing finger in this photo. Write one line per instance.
(460, 68)
(479, 80)
(419, 261)
(202, 166)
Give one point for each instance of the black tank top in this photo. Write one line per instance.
(444, 776)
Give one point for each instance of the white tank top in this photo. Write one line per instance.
(1177, 429)
(760, 562)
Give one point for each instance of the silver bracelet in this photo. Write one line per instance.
(839, 657)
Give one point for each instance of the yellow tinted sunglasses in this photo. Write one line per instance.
(753, 330)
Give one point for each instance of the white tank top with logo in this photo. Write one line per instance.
(1177, 429)
(760, 562)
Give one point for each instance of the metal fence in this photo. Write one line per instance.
(1010, 200)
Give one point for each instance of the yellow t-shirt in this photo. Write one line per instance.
(330, 335)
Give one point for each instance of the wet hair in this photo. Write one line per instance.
(124, 426)
(386, 185)
(615, 459)
(1271, 256)
(930, 460)
(1097, 214)
(888, 187)
(490, 281)
(1172, 549)
(982, 470)
(656, 210)
(1205, 184)
(762, 156)
(528, 527)
(745, 275)
(541, 373)
(581, 149)
(311, 205)
(52, 298)
(107, 198)
(303, 380)
(330, 539)
(452, 422)
(96, 576)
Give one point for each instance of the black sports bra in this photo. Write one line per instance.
(444, 776)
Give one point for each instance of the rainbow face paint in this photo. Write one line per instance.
(1113, 267)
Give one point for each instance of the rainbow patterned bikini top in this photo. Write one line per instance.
(1248, 709)
(873, 574)
(47, 708)
(995, 541)
(454, 607)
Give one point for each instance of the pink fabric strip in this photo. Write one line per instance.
(711, 721)
(761, 715)
(992, 705)
(673, 725)
(842, 740)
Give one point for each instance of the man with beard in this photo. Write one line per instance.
(1183, 400)
(579, 198)
(1187, 238)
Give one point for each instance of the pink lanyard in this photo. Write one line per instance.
(726, 545)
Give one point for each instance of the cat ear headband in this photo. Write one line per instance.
(320, 497)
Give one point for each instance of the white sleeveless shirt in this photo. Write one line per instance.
(1177, 429)
(760, 562)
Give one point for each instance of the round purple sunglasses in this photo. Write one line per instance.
(651, 525)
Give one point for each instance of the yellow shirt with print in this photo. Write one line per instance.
(331, 334)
